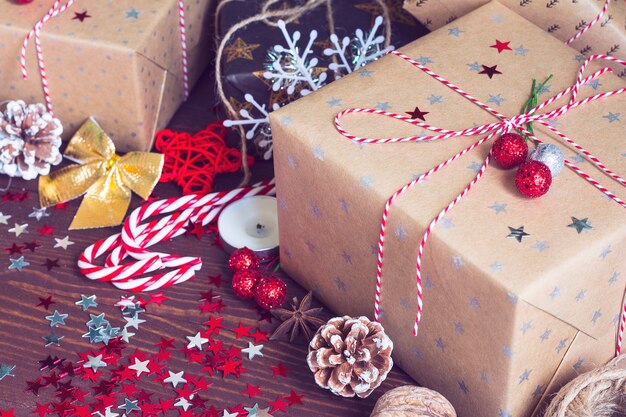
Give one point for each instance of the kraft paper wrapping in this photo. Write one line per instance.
(500, 316)
(121, 65)
(563, 19)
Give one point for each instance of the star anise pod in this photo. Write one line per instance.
(299, 319)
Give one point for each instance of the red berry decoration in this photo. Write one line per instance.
(244, 282)
(243, 258)
(510, 150)
(533, 179)
(270, 292)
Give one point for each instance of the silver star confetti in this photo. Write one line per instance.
(517, 234)
(126, 335)
(4, 218)
(175, 378)
(18, 263)
(253, 350)
(57, 318)
(140, 366)
(95, 362)
(39, 213)
(53, 339)
(196, 341)
(133, 322)
(86, 302)
(129, 406)
(97, 321)
(182, 402)
(19, 229)
(63, 243)
(6, 370)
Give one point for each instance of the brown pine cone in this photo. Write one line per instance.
(29, 140)
(350, 356)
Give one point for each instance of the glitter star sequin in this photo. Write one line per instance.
(580, 225)
(196, 341)
(517, 234)
(57, 318)
(86, 302)
(140, 366)
(17, 264)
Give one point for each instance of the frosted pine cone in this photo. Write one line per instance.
(350, 356)
(29, 140)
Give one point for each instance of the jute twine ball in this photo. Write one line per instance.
(599, 393)
(412, 401)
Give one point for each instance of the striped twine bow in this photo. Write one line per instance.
(505, 125)
(59, 7)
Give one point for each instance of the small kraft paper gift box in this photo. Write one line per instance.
(119, 61)
(562, 19)
(519, 294)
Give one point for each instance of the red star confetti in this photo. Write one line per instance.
(252, 390)
(31, 246)
(51, 263)
(7, 413)
(45, 302)
(417, 114)
(279, 404)
(294, 398)
(8, 196)
(490, 71)
(45, 230)
(157, 299)
(501, 46)
(60, 206)
(21, 197)
(259, 336)
(215, 324)
(13, 249)
(241, 331)
(42, 410)
(194, 229)
(216, 280)
(279, 370)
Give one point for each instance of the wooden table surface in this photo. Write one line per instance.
(23, 324)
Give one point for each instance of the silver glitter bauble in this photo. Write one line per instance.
(551, 155)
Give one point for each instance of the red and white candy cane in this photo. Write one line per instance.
(136, 237)
(58, 8)
(505, 125)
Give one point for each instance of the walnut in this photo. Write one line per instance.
(412, 401)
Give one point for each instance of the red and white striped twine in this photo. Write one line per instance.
(166, 269)
(58, 8)
(591, 24)
(492, 129)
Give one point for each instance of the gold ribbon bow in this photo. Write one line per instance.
(106, 179)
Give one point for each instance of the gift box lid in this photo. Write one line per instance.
(542, 251)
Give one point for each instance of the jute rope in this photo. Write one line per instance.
(599, 393)
(270, 16)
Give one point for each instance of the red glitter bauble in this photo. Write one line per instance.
(243, 258)
(243, 283)
(270, 292)
(533, 179)
(509, 150)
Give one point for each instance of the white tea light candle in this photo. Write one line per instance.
(251, 222)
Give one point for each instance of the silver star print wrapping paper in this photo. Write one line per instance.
(119, 61)
(520, 295)
(560, 18)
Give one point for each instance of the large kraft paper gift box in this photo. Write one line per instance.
(505, 322)
(118, 61)
(562, 19)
